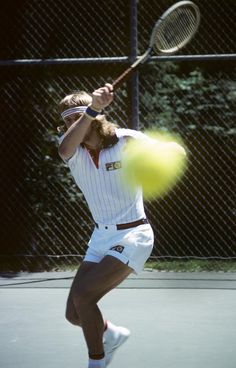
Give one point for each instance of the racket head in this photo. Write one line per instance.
(175, 28)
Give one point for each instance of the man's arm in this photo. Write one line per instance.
(74, 136)
(76, 133)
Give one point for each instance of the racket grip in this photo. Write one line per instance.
(122, 78)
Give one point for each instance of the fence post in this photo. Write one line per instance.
(133, 57)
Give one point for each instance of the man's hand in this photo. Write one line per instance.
(102, 97)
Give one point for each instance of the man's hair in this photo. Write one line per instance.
(79, 98)
(82, 98)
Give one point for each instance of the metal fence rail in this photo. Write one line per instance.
(44, 219)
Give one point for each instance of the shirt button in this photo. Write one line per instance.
(106, 227)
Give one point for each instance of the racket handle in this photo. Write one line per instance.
(123, 77)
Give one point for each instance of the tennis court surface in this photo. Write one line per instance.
(177, 320)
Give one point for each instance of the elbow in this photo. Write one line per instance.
(64, 152)
(182, 150)
(61, 150)
(178, 148)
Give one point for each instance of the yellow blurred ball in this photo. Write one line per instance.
(155, 164)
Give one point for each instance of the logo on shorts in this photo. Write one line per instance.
(110, 166)
(118, 248)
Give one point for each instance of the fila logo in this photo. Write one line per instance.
(110, 166)
(118, 248)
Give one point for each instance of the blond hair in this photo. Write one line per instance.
(81, 98)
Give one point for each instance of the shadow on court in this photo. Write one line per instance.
(177, 320)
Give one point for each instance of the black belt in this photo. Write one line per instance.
(128, 225)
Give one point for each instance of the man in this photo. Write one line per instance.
(122, 239)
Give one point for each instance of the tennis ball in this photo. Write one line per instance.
(156, 164)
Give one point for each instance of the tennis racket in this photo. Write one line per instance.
(173, 30)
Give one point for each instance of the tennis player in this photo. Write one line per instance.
(122, 239)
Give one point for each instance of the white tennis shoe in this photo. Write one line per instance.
(114, 337)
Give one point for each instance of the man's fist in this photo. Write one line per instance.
(102, 97)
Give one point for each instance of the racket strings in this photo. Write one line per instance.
(175, 30)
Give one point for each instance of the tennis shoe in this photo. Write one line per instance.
(114, 337)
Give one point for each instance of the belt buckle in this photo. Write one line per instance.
(105, 227)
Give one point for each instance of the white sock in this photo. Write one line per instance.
(97, 363)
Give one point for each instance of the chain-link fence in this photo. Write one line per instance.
(39, 29)
(45, 220)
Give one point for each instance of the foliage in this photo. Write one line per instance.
(184, 98)
(193, 265)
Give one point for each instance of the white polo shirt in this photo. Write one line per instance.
(109, 199)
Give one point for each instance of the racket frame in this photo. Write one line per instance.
(144, 57)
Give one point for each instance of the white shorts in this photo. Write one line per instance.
(131, 246)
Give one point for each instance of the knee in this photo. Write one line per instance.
(72, 318)
(71, 314)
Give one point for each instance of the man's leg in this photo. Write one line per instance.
(71, 313)
(86, 291)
